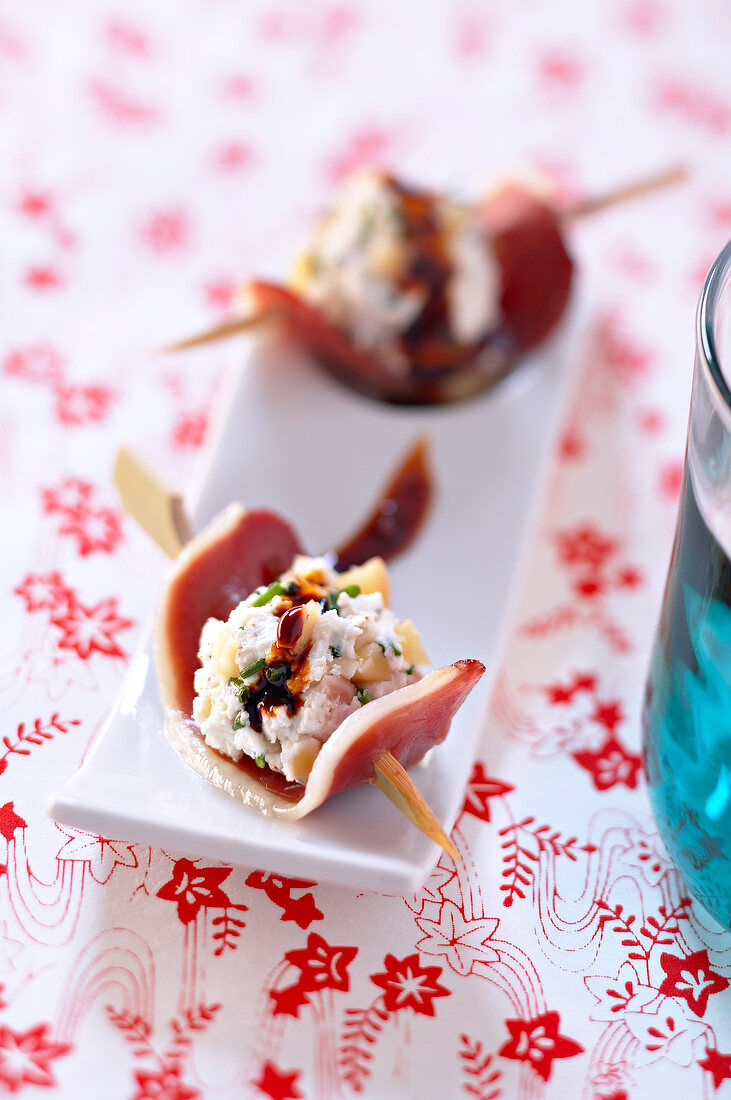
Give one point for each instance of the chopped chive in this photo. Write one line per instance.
(242, 689)
(277, 673)
(335, 651)
(364, 696)
(252, 669)
(238, 722)
(351, 590)
(274, 589)
(396, 649)
(331, 601)
(260, 761)
(409, 670)
(383, 648)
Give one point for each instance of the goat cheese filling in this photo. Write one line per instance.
(388, 260)
(293, 660)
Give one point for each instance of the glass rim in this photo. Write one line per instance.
(706, 340)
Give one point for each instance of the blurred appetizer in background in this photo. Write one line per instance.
(412, 297)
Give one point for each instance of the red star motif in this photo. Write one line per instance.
(195, 888)
(86, 630)
(95, 530)
(584, 681)
(40, 591)
(691, 978)
(277, 1084)
(322, 966)
(302, 910)
(629, 577)
(559, 694)
(24, 1057)
(408, 984)
(538, 1043)
(718, 1065)
(610, 765)
(10, 821)
(289, 1001)
(608, 715)
(480, 789)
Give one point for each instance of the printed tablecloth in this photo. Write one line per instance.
(151, 155)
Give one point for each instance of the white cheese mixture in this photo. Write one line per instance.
(353, 271)
(351, 649)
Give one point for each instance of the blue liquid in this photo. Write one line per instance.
(687, 713)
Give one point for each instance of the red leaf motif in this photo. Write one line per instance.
(407, 984)
(480, 789)
(718, 1065)
(691, 978)
(538, 1042)
(24, 1057)
(87, 630)
(194, 888)
(610, 765)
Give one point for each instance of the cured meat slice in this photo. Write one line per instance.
(536, 271)
(218, 569)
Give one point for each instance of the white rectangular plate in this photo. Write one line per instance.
(294, 441)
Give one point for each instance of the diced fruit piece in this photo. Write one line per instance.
(413, 647)
(370, 577)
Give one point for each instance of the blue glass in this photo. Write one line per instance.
(687, 711)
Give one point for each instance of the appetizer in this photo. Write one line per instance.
(412, 297)
(286, 683)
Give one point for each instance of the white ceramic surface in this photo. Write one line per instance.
(293, 440)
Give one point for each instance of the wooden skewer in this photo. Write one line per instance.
(634, 190)
(161, 514)
(222, 331)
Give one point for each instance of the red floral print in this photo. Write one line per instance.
(35, 204)
(87, 630)
(691, 978)
(77, 405)
(584, 545)
(538, 1042)
(190, 430)
(611, 765)
(302, 910)
(322, 966)
(95, 529)
(233, 155)
(44, 591)
(38, 363)
(480, 789)
(10, 821)
(408, 984)
(163, 1084)
(718, 1065)
(369, 146)
(194, 888)
(462, 941)
(663, 1027)
(118, 105)
(276, 1084)
(220, 293)
(166, 230)
(24, 1057)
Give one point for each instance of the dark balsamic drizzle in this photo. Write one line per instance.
(397, 517)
